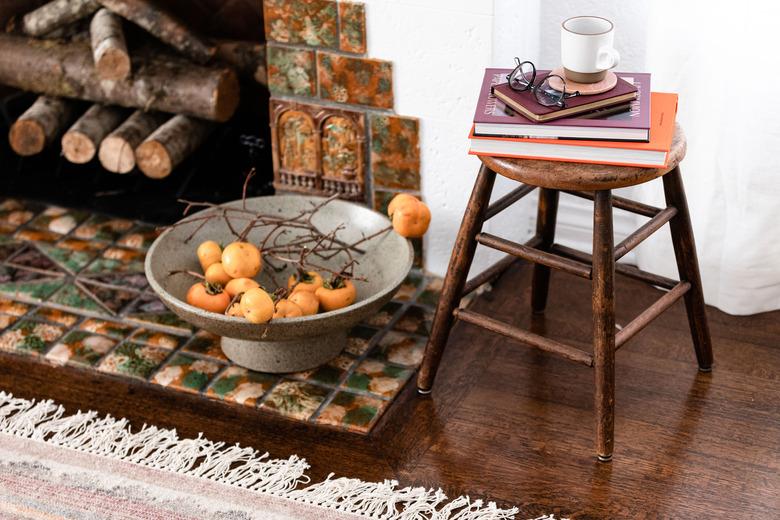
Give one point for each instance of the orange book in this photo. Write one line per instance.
(653, 154)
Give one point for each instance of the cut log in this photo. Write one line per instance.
(167, 84)
(117, 150)
(40, 125)
(163, 25)
(56, 14)
(109, 49)
(169, 145)
(80, 143)
(247, 57)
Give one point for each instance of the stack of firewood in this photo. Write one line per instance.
(151, 109)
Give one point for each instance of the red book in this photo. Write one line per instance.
(494, 118)
(653, 154)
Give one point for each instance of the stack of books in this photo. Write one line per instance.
(626, 126)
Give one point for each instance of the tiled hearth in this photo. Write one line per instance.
(73, 293)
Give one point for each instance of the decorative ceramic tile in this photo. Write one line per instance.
(352, 27)
(157, 339)
(37, 235)
(58, 220)
(329, 373)
(354, 412)
(27, 285)
(148, 309)
(186, 373)
(117, 260)
(14, 213)
(361, 81)
(130, 280)
(56, 316)
(205, 344)
(134, 360)
(384, 316)
(141, 237)
(378, 378)
(400, 348)
(431, 293)
(342, 149)
(395, 151)
(297, 142)
(416, 319)
(74, 297)
(6, 320)
(7, 249)
(409, 287)
(359, 340)
(81, 348)
(291, 71)
(112, 329)
(72, 260)
(311, 22)
(113, 298)
(242, 386)
(295, 400)
(30, 337)
(102, 228)
(30, 257)
(14, 308)
(76, 244)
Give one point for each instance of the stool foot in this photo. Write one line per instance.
(604, 458)
(705, 370)
(420, 391)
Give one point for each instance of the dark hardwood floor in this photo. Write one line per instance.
(516, 425)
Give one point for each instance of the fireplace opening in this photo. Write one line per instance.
(214, 171)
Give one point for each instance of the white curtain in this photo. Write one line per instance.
(722, 59)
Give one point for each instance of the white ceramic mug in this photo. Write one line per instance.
(587, 51)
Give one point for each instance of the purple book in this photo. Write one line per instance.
(621, 123)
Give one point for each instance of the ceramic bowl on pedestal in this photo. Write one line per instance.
(292, 344)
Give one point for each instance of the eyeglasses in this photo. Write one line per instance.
(523, 78)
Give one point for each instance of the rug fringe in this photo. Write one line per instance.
(246, 468)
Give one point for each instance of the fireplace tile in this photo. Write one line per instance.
(14, 308)
(28, 285)
(134, 360)
(395, 151)
(352, 27)
(58, 220)
(102, 228)
(415, 319)
(31, 257)
(117, 259)
(378, 378)
(70, 258)
(76, 298)
(359, 340)
(186, 373)
(130, 280)
(328, 374)
(30, 337)
(295, 399)
(400, 349)
(14, 213)
(56, 316)
(291, 71)
(157, 339)
(6, 320)
(409, 287)
(114, 299)
(431, 293)
(80, 348)
(37, 235)
(240, 385)
(354, 412)
(384, 316)
(9, 248)
(205, 344)
(309, 22)
(112, 329)
(141, 237)
(356, 80)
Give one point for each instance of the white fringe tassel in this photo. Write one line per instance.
(246, 468)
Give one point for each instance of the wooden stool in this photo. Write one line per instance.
(594, 182)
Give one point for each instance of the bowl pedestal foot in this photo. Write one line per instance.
(279, 357)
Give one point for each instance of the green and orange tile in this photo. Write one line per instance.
(186, 373)
(355, 80)
(378, 378)
(80, 347)
(134, 360)
(205, 344)
(353, 412)
(295, 399)
(240, 385)
(30, 337)
(308, 22)
(291, 71)
(112, 329)
(400, 349)
(101, 228)
(58, 220)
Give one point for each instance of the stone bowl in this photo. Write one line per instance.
(292, 344)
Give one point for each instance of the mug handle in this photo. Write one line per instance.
(608, 58)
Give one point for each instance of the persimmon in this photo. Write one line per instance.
(209, 252)
(410, 216)
(241, 260)
(240, 285)
(310, 281)
(287, 309)
(257, 305)
(235, 310)
(336, 294)
(209, 297)
(216, 274)
(307, 301)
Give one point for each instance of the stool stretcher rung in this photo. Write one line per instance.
(651, 313)
(626, 270)
(647, 229)
(529, 338)
(621, 203)
(495, 270)
(535, 255)
(507, 200)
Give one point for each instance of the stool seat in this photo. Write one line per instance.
(559, 175)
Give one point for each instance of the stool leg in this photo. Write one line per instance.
(460, 262)
(688, 266)
(604, 323)
(545, 229)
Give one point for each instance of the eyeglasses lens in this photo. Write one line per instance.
(546, 95)
(522, 76)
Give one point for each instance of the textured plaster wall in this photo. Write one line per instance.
(439, 49)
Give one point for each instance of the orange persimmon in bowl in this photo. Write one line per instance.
(241, 260)
(308, 281)
(209, 297)
(336, 294)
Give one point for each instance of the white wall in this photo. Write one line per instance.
(439, 50)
